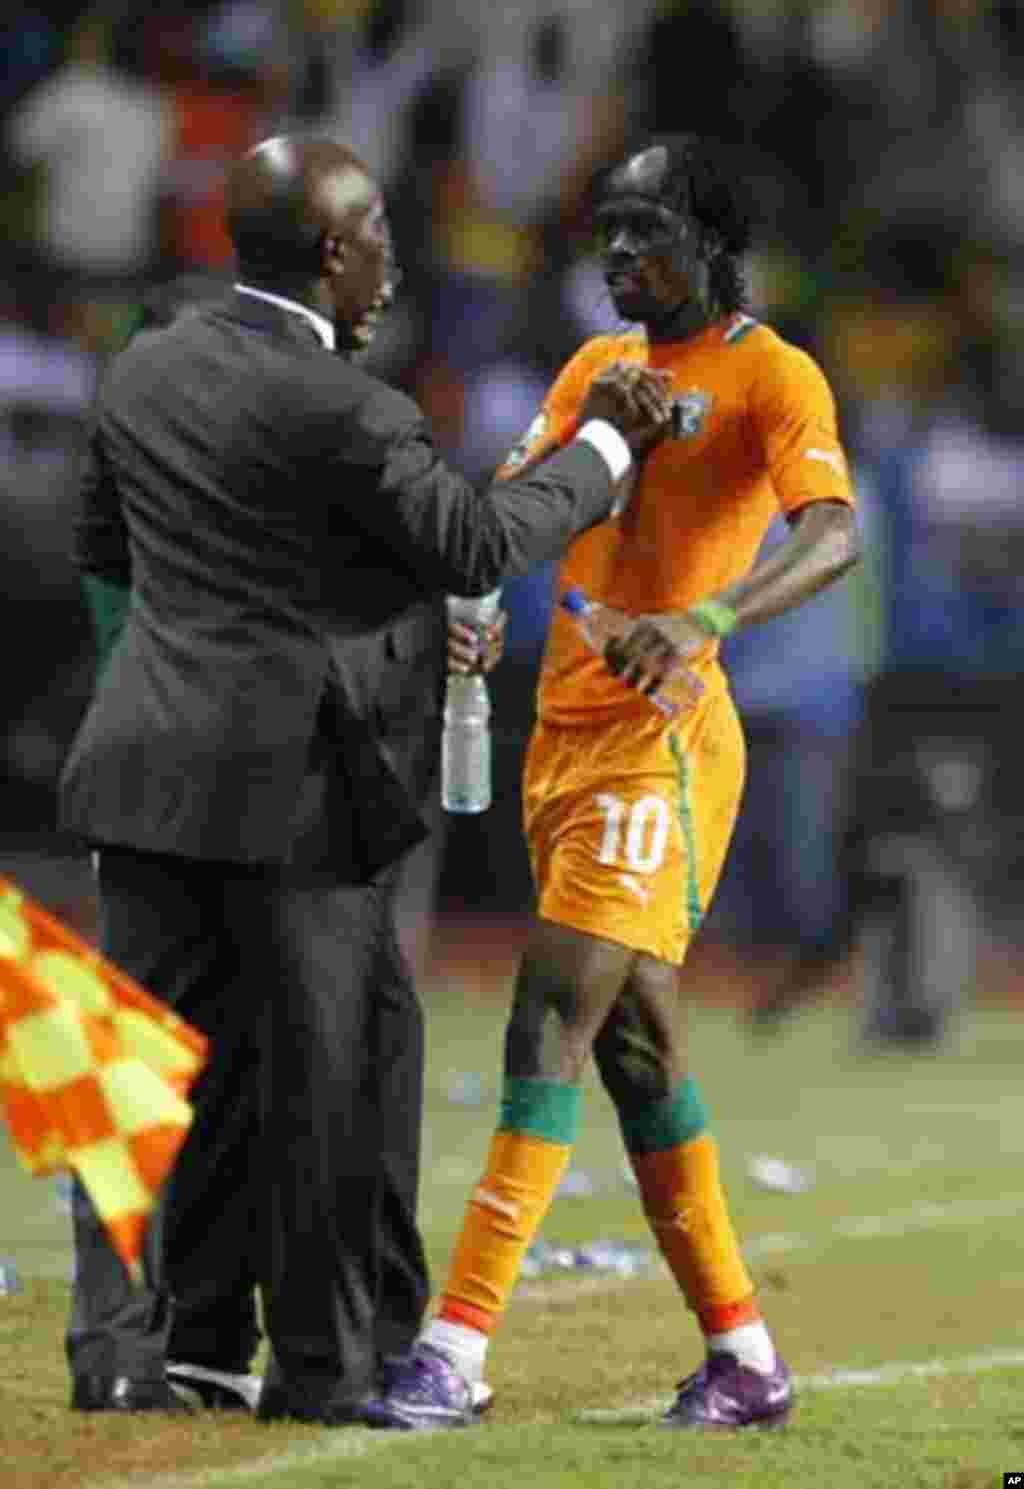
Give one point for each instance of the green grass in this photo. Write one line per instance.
(906, 1249)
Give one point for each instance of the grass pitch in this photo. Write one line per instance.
(894, 1286)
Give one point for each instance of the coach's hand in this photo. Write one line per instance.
(636, 400)
(473, 650)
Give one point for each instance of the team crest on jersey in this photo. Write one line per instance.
(517, 455)
(689, 413)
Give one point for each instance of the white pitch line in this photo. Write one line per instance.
(895, 1373)
(355, 1443)
(351, 1443)
(327, 1447)
(925, 1216)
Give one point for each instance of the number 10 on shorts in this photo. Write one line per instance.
(634, 835)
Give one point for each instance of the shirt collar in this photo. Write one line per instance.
(321, 325)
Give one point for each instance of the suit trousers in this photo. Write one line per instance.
(298, 1178)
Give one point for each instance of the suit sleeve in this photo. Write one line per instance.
(100, 534)
(558, 415)
(101, 551)
(454, 538)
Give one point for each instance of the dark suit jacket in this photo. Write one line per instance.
(288, 532)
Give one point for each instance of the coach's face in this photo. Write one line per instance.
(652, 256)
(359, 268)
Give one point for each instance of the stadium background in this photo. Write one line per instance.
(882, 139)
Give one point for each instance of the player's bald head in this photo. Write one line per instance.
(284, 196)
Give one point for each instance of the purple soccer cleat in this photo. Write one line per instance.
(425, 1392)
(723, 1393)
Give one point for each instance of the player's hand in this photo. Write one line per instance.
(473, 649)
(635, 400)
(654, 649)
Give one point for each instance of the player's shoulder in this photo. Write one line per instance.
(745, 340)
(766, 356)
(601, 351)
(610, 345)
(772, 347)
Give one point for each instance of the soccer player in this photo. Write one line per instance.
(628, 814)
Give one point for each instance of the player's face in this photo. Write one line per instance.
(650, 253)
(647, 255)
(364, 273)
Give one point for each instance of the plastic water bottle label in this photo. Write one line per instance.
(466, 768)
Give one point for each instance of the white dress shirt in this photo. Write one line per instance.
(321, 325)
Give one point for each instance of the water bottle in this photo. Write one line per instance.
(598, 624)
(466, 741)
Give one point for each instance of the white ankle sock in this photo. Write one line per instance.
(750, 1343)
(465, 1347)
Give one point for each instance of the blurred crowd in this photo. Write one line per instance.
(883, 145)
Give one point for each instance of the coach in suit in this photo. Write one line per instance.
(254, 765)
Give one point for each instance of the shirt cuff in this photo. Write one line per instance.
(609, 444)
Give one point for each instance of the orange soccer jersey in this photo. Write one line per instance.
(758, 434)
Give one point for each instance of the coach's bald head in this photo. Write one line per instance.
(308, 221)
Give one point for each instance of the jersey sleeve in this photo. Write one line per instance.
(558, 413)
(794, 414)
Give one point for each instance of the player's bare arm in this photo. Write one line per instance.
(823, 545)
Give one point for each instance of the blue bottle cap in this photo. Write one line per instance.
(575, 601)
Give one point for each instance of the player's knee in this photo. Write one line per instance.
(635, 1079)
(542, 1044)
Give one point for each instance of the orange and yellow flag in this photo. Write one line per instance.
(94, 1071)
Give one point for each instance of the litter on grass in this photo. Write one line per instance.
(577, 1184)
(776, 1174)
(10, 1282)
(618, 1258)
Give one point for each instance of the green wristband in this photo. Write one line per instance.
(714, 616)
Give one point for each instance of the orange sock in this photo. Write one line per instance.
(686, 1209)
(502, 1218)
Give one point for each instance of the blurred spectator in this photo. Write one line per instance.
(526, 132)
(376, 77)
(46, 386)
(30, 47)
(102, 134)
(936, 820)
(798, 684)
(227, 75)
(937, 829)
(744, 74)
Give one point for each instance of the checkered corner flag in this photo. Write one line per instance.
(94, 1071)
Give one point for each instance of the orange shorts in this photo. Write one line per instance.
(628, 823)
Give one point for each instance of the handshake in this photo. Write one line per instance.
(636, 400)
